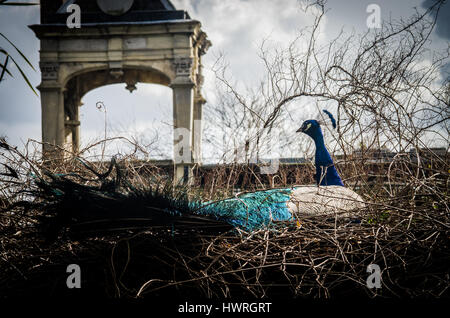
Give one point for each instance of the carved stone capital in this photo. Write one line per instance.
(183, 66)
(49, 70)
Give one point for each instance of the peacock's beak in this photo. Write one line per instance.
(304, 127)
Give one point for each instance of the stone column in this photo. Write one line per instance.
(197, 129)
(53, 129)
(72, 124)
(72, 121)
(183, 120)
(199, 101)
(183, 111)
(76, 129)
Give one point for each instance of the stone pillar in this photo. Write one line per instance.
(53, 129)
(72, 127)
(183, 119)
(76, 129)
(183, 112)
(197, 128)
(72, 120)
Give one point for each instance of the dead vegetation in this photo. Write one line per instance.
(405, 232)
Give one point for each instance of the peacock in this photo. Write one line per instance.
(329, 197)
(70, 201)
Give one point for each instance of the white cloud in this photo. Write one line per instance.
(237, 28)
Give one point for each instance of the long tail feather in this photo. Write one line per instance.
(70, 204)
(333, 121)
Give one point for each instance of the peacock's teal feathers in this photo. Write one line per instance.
(252, 210)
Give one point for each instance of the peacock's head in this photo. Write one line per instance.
(310, 127)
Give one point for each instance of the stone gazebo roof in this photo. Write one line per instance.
(120, 11)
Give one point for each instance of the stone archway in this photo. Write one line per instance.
(75, 61)
(82, 83)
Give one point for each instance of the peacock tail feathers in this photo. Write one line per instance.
(113, 202)
(253, 210)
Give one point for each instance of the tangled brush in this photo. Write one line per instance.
(133, 249)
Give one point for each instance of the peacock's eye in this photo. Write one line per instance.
(308, 126)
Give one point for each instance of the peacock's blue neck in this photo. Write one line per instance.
(326, 173)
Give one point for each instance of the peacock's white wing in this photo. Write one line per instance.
(324, 200)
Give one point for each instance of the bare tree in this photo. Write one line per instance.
(384, 84)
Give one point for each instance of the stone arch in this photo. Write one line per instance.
(103, 75)
(144, 116)
(135, 47)
(80, 83)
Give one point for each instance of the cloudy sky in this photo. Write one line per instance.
(236, 29)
